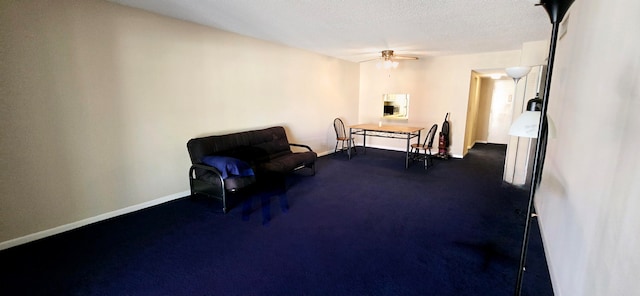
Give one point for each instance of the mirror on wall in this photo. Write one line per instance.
(395, 106)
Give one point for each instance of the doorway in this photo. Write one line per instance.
(500, 112)
(489, 110)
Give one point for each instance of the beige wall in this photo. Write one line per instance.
(589, 197)
(99, 100)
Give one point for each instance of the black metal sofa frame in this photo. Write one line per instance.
(267, 151)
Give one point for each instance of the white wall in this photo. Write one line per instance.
(589, 197)
(99, 100)
(437, 85)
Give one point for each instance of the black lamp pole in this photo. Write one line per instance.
(556, 10)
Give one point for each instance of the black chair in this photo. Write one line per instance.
(342, 137)
(422, 152)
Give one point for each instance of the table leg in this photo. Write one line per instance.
(406, 161)
(349, 142)
(364, 142)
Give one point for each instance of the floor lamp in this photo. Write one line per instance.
(556, 10)
(516, 73)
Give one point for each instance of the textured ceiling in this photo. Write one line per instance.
(358, 30)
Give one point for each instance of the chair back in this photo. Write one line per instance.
(428, 141)
(338, 126)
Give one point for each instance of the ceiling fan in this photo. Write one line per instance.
(389, 60)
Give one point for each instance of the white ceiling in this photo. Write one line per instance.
(358, 30)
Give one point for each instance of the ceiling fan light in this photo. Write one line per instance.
(387, 64)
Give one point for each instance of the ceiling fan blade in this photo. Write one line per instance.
(369, 60)
(389, 55)
(395, 57)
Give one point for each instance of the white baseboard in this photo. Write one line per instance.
(60, 229)
(320, 154)
(385, 147)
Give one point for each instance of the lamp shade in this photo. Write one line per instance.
(527, 125)
(517, 72)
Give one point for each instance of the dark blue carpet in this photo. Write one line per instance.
(364, 226)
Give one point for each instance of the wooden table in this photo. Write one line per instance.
(385, 131)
